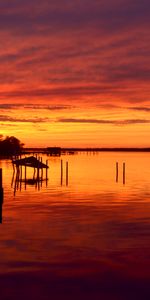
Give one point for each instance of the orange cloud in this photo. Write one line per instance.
(76, 61)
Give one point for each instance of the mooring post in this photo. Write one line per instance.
(61, 171)
(37, 173)
(66, 172)
(38, 185)
(20, 183)
(41, 160)
(12, 181)
(38, 170)
(21, 172)
(124, 172)
(41, 174)
(116, 171)
(20, 175)
(13, 165)
(34, 173)
(46, 171)
(15, 185)
(17, 177)
(25, 176)
(25, 173)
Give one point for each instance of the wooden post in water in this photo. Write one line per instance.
(41, 171)
(38, 173)
(124, 172)
(25, 173)
(13, 165)
(61, 171)
(66, 172)
(12, 181)
(46, 171)
(38, 168)
(25, 176)
(34, 174)
(38, 184)
(21, 172)
(116, 171)
(15, 185)
(1, 194)
(17, 178)
(20, 178)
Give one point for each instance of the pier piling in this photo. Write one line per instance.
(46, 171)
(124, 172)
(117, 171)
(61, 171)
(66, 172)
(25, 172)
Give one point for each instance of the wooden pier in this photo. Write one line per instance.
(28, 162)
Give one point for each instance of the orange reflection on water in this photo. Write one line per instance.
(90, 227)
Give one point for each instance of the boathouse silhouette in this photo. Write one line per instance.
(26, 162)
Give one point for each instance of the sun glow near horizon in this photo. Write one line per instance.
(73, 126)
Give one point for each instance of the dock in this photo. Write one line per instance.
(28, 162)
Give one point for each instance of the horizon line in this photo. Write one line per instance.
(91, 148)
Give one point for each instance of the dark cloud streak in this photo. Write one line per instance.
(9, 106)
(4, 118)
(145, 109)
(75, 49)
(97, 121)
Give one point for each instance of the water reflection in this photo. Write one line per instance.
(36, 178)
(18, 180)
(123, 172)
(92, 233)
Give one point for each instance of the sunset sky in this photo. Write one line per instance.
(75, 73)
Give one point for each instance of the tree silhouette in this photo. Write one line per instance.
(10, 146)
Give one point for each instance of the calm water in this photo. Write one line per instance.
(85, 240)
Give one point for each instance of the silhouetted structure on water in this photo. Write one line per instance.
(31, 162)
(54, 151)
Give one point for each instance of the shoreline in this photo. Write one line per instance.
(75, 149)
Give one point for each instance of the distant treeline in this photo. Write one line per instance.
(108, 149)
(10, 146)
(73, 149)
